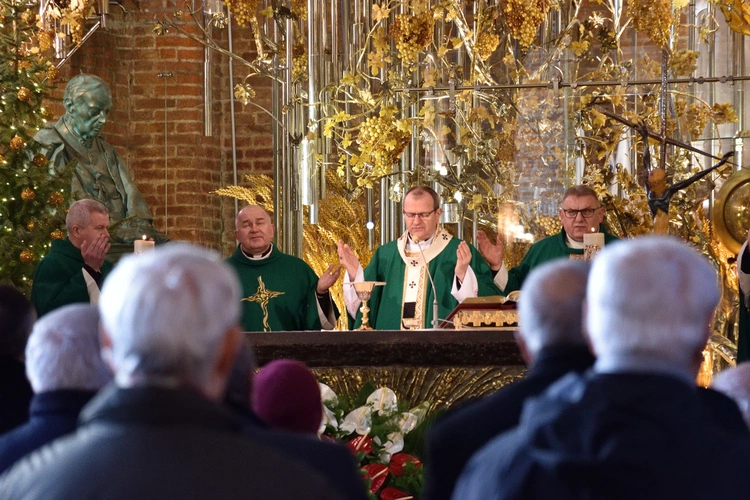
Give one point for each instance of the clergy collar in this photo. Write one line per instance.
(410, 245)
(259, 256)
(571, 243)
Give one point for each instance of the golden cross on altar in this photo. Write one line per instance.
(262, 296)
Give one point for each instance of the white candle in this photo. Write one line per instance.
(142, 246)
(592, 243)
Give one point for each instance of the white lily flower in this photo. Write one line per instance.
(327, 395)
(394, 444)
(383, 399)
(358, 420)
(328, 418)
(407, 422)
(420, 411)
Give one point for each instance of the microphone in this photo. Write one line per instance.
(435, 320)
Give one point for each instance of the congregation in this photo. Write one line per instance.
(142, 385)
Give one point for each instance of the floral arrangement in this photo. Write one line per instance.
(384, 434)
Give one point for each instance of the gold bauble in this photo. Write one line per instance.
(29, 17)
(56, 199)
(24, 94)
(57, 234)
(28, 194)
(17, 143)
(26, 256)
(47, 114)
(53, 74)
(31, 225)
(40, 160)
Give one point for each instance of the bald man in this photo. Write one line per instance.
(279, 291)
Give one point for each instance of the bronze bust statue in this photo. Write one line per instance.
(100, 172)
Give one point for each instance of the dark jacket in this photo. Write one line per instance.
(51, 415)
(157, 443)
(454, 439)
(15, 393)
(614, 436)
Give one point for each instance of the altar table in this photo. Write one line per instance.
(443, 367)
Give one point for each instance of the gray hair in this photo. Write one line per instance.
(166, 313)
(80, 212)
(735, 383)
(651, 296)
(83, 84)
(63, 351)
(550, 309)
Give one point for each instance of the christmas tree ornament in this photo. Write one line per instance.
(26, 256)
(57, 234)
(53, 73)
(56, 199)
(31, 225)
(28, 194)
(40, 160)
(17, 143)
(24, 94)
(28, 17)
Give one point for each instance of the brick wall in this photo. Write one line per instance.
(157, 122)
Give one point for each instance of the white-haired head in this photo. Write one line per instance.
(735, 383)
(63, 351)
(651, 298)
(550, 309)
(167, 314)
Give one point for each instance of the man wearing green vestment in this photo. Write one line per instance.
(280, 291)
(580, 213)
(75, 268)
(406, 299)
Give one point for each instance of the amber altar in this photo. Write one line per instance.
(441, 366)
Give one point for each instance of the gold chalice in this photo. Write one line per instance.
(364, 292)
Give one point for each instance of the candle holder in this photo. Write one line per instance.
(364, 292)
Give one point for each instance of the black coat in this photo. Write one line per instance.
(157, 443)
(613, 436)
(52, 414)
(458, 435)
(15, 393)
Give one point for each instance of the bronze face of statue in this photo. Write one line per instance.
(100, 172)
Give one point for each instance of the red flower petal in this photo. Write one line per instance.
(399, 460)
(360, 443)
(377, 473)
(394, 494)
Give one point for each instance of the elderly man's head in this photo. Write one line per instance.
(253, 229)
(170, 317)
(63, 351)
(651, 298)
(86, 220)
(88, 101)
(580, 212)
(550, 310)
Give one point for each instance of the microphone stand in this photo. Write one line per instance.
(435, 320)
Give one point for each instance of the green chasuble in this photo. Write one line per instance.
(278, 292)
(550, 248)
(58, 278)
(389, 264)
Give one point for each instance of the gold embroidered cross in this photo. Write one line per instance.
(262, 296)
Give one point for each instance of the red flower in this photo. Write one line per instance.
(394, 494)
(360, 443)
(377, 474)
(399, 460)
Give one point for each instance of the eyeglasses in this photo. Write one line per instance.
(421, 215)
(586, 212)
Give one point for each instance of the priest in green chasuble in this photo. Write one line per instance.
(406, 300)
(280, 291)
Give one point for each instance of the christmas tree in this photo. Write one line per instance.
(33, 200)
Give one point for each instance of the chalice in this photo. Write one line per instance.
(364, 292)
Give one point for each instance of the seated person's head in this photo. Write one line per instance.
(735, 383)
(17, 317)
(86, 220)
(286, 396)
(651, 298)
(63, 351)
(170, 317)
(550, 309)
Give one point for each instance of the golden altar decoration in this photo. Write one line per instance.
(495, 311)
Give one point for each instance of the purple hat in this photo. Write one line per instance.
(286, 396)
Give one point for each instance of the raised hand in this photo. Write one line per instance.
(348, 259)
(493, 254)
(463, 259)
(93, 252)
(328, 278)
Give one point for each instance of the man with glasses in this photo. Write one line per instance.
(580, 213)
(406, 300)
